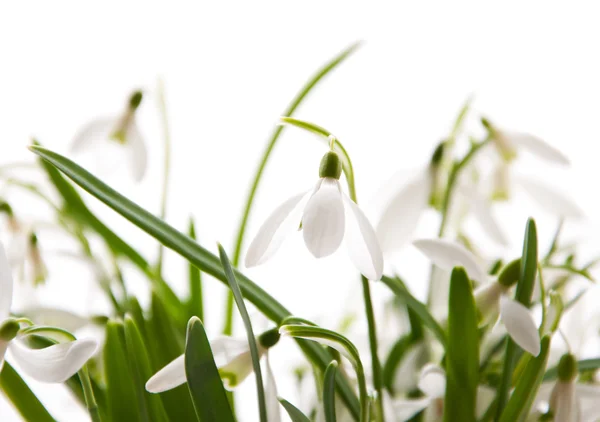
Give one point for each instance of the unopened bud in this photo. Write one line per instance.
(269, 338)
(331, 166)
(567, 368)
(135, 100)
(9, 330)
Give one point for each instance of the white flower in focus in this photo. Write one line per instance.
(234, 362)
(98, 136)
(53, 364)
(328, 217)
(491, 297)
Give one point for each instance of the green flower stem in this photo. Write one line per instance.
(452, 179)
(166, 165)
(348, 170)
(228, 327)
(315, 333)
(88, 393)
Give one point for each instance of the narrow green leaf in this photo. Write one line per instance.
(203, 379)
(22, 398)
(196, 304)
(239, 301)
(462, 352)
(582, 365)
(293, 412)
(166, 343)
(123, 404)
(525, 285)
(196, 254)
(151, 404)
(395, 356)
(329, 392)
(416, 306)
(527, 387)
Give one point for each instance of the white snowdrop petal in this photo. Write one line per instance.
(170, 376)
(482, 211)
(485, 397)
(323, 220)
(520, 325)
(538, 147)
(136, 148)
(6, 285)
(53, 364)
(227, 348)
(56, 318)
(563, 402)
(550, 199)
(406, 408)
(448, 254)
(401, 215)
(94, 131)
(362, 242)
(271, 401)
(272, 233)
(237, 370)
(432, 381)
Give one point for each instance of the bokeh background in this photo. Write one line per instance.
(230, 68)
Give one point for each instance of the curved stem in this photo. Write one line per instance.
(227, 329)
(166, 164)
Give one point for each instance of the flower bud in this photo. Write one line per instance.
(567, 368)
(510, 273)
(135, 100)
(437, 156)
(269, 338)
(331, 166)
(9, 330)
(503, 145)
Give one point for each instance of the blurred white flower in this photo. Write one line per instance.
(491, 297)
(53, 364)
(121, 131)
(234, 362)
(324, 224)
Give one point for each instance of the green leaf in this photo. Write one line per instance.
(419, 309)
(196, 304)
(22, 398)
(329, 391)
(203, 379)
(123, 404)
(166, 343)
(582, 365)
(196, 254)
(74, 205)
(527, 387)
(525, 285)
(462, 353)
(239, 301)
(151, 404)
(395, 356)
(293, 412)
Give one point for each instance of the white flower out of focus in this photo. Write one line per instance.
(53, 364)
(328, 217)
(108, 139)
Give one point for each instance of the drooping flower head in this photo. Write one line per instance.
(326, 216)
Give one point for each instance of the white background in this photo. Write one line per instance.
(231, 69)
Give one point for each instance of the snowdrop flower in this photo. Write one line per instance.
(568, 400)
(120, 131)
(509, 144)
(328, 217)
(234, 362)
(432, 382)
(53, 364)
(491, 297)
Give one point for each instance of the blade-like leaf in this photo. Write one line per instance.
(525, 285)
(142, 371)
(203, 379)
(239, 301)
(123, 404)
(293, 412)
(462, 352)
(194, 253)
(22, 398)
(196, 302)
(329, 391)
(526, 388)
(419, 309)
